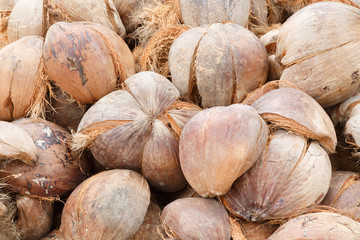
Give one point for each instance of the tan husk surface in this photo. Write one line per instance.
(4, 18)
(138, 128)
(155, 55)
(293, 6)
(315, 36)
(242, 230)
(109, 205)
(293, 110)
(153, 17)
(8, 228)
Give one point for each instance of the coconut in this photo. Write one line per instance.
(5, 9)
(318, 226)
(242, 230)
(198, 13)
(155, 55)
(218, 145)
(58, 169)
(196, 218)
(34, 217)
(139, 129)
(344, 194)
(8, 230)
(86, 60)
(330, 44)
(109, 205)
(23, 82)
(209, 66)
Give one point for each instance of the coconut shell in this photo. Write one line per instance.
(292, 177)
(139, 129)
(22, 25)
(34, 217)
(196, 218)
(16, 143)
(109, 205)
(23, 87)
(294, 110)
(102, 12)
(318, 226)
(209, 66)
(149, 229)
(218, 145)
(86, 60)
(330, 44)
(58, 170)
(203, 12)
(344, 193)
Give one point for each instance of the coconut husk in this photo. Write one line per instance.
(154, 17)
(156, 52)
(8, 228)
(4, 19)
(293, 6)
(137, 53)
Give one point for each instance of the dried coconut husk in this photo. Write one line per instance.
(139, 129)
(149, 227)
(24, 84)
(318, 226)
(153, 17)
(294, 110)
(218, 64)
(292, 176)
(305, 41)
(204, 12)
(137, 53)
(196, 218)
(66, 112)
(72, 52)
(8, 230)
(5, 9)
(234, 137)
(344, 193)
(269, 39)
(34, 217)
(53, 235)
(58, 170)
(242, 230)
(109, 205)
(293, 6)
(155, 55)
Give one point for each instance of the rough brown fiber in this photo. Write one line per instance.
(197, 218)
(218, 64)
(4, 18)
(155, 55)
(75, 49)
(290, 178)
(8, 230)
(109, 205)
(139, 128)
(58, 170)
(320, 58)
(218, 145)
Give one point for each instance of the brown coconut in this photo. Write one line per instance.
(344, 193)
(156, 53)
(318, 226)
(316, 36)
(53, 235)
(139, 129)
(58, 170)
(34, 217)
(292, 176)
(86, 60)
(203, 12)
(209, 66)
(242, 230)
(218, 145)
(109, 205)
(23, 82)
(196, 218)
(8, 230)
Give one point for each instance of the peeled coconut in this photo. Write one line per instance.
(203, 12)
(23, 81)
(321, 225)
(139, 129)
(217, 65)
(109, 205)
(196, 218)
(58, 170)
(218, 145)
(319, 51)
(344, 193)
(86, 60)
